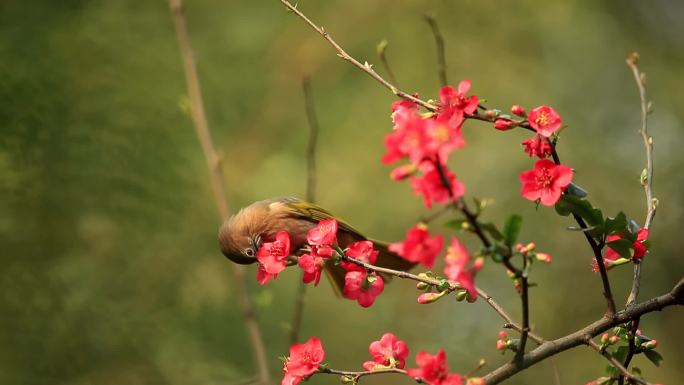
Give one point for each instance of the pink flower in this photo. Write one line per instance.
(404, 171)
(403, 110)
(545, 182)
(545, 120)
(454, 104)
(419, 246)
(312, 264)
(272, 256)
(433, 370)
(363, 287)
(431, 187)
(323, 236)
(408, 139)
(504, 124)
(387, 352)
(303, 361)
(362, 251)
(537, 146)
(457, 258)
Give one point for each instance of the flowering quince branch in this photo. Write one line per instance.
(617, 364)
(426, 140)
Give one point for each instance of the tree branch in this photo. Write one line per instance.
(551, 348)
(216, 177)
(625, 372)
(355, 376)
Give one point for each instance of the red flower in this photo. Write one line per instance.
(272, 256)
(442, 139)
(433, 370)
(545, 182)
(457, 259)
(454, 104)
(303, 361)
(363, 287)
(387, 352)
(545, 120)
(611, 255)
(408, 139)
(323, 236)
(419, 246)
(504, 124)
(431, 187)
(537, 146)
(403, 110)
(362, 251)
(312, 264)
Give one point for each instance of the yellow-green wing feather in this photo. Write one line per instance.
(315, 213)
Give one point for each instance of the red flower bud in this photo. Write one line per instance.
(518, 110)
(543, 257)
(504, 124)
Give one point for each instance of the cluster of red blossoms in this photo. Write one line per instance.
(360, 284)
(387, 353)
(427, 141)
(612, 258)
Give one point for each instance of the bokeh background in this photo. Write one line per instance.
(110, 268)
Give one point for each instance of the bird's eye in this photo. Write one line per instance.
(249, 252)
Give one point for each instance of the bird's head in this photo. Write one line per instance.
(239, 238)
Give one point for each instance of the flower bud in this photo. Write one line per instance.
(519, 247)
(426, 298)
(478, 263)
(491, 113)
(403, 172)
(476, 381)
(422, 286)
(461, 295)
(347, 379)
(605, 338)
(531, 246)
(500, 345)
(648, 345)
(518, 110)
(504, 124)
(502, 334)
(614, 339)
(544, 257)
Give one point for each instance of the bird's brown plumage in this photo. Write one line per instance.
(242, 234)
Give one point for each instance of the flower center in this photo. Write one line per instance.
(277, 249)
(544, 179)
(543, 119)
(441, 134)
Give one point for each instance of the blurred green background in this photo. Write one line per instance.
(110, 267)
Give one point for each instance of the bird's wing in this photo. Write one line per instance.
(315, 213)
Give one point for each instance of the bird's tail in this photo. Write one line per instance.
(386, 259)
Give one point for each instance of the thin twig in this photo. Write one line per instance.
(647, 175)
(310, 197)
(216, 177)
(631, 347)
(439, 40)
(355, 376)
(382, 54)
(624, 371)
(367, 68)
(524, 297)
(510, 324)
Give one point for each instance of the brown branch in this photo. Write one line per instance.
(625, 372)
(524, 298)
(216, 177)
(310, 197)
(631, 349)
(510, 324)
(439, 40)
(551, 348)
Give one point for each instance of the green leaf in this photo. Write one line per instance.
(456, 224)
(511, 229)
(621, 353)
(611, 371)
(492, 230)
(576, 190)
(636, 370)
(570, 204)
(622, 247)
(654, 357)
(619, 223)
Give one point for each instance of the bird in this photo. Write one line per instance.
(241, 235)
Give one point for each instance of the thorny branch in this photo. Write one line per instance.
(216, 176)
